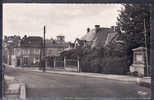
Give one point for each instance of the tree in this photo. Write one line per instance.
(131, 22)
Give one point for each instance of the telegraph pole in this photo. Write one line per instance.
(44, 55)
(146, 50)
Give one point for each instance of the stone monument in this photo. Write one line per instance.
(139, 61)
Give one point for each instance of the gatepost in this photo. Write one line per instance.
(54, 62)
(64, 63)
(78, 61)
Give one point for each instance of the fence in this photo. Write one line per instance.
(60, 63)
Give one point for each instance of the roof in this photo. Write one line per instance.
(31, 41)
(101, 36)
(110, 37)
(98, 37)
(89, 36)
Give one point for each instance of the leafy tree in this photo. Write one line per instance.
(131, 22)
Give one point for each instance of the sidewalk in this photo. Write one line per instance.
(145, 81)
(125, 78)
(14, 89)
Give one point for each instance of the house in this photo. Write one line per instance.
(97, 37)
(29, 52)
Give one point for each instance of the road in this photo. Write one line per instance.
(51, 85)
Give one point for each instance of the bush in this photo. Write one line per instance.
(100, 60)
(107, 65)
(115, 65)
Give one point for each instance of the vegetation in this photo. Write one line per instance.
(131, 22)
(115, 59)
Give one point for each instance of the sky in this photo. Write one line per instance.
(70, 20)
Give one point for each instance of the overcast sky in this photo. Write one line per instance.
(70, 20)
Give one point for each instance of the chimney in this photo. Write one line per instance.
(88, 30)
(97, 27)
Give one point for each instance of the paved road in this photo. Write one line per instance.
(51, 85)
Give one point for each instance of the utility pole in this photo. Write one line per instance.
(146, 50)
(44, 53)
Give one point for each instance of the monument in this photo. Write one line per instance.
(139, 61)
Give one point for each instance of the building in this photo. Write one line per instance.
(97, 37)
(8, 45)
(53, 49)
(28, 53)
(28, 50)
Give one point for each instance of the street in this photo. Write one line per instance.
(50, 85)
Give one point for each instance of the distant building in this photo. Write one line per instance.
(28, 53)
(8, 45)
(28, 50)
(55, 47)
